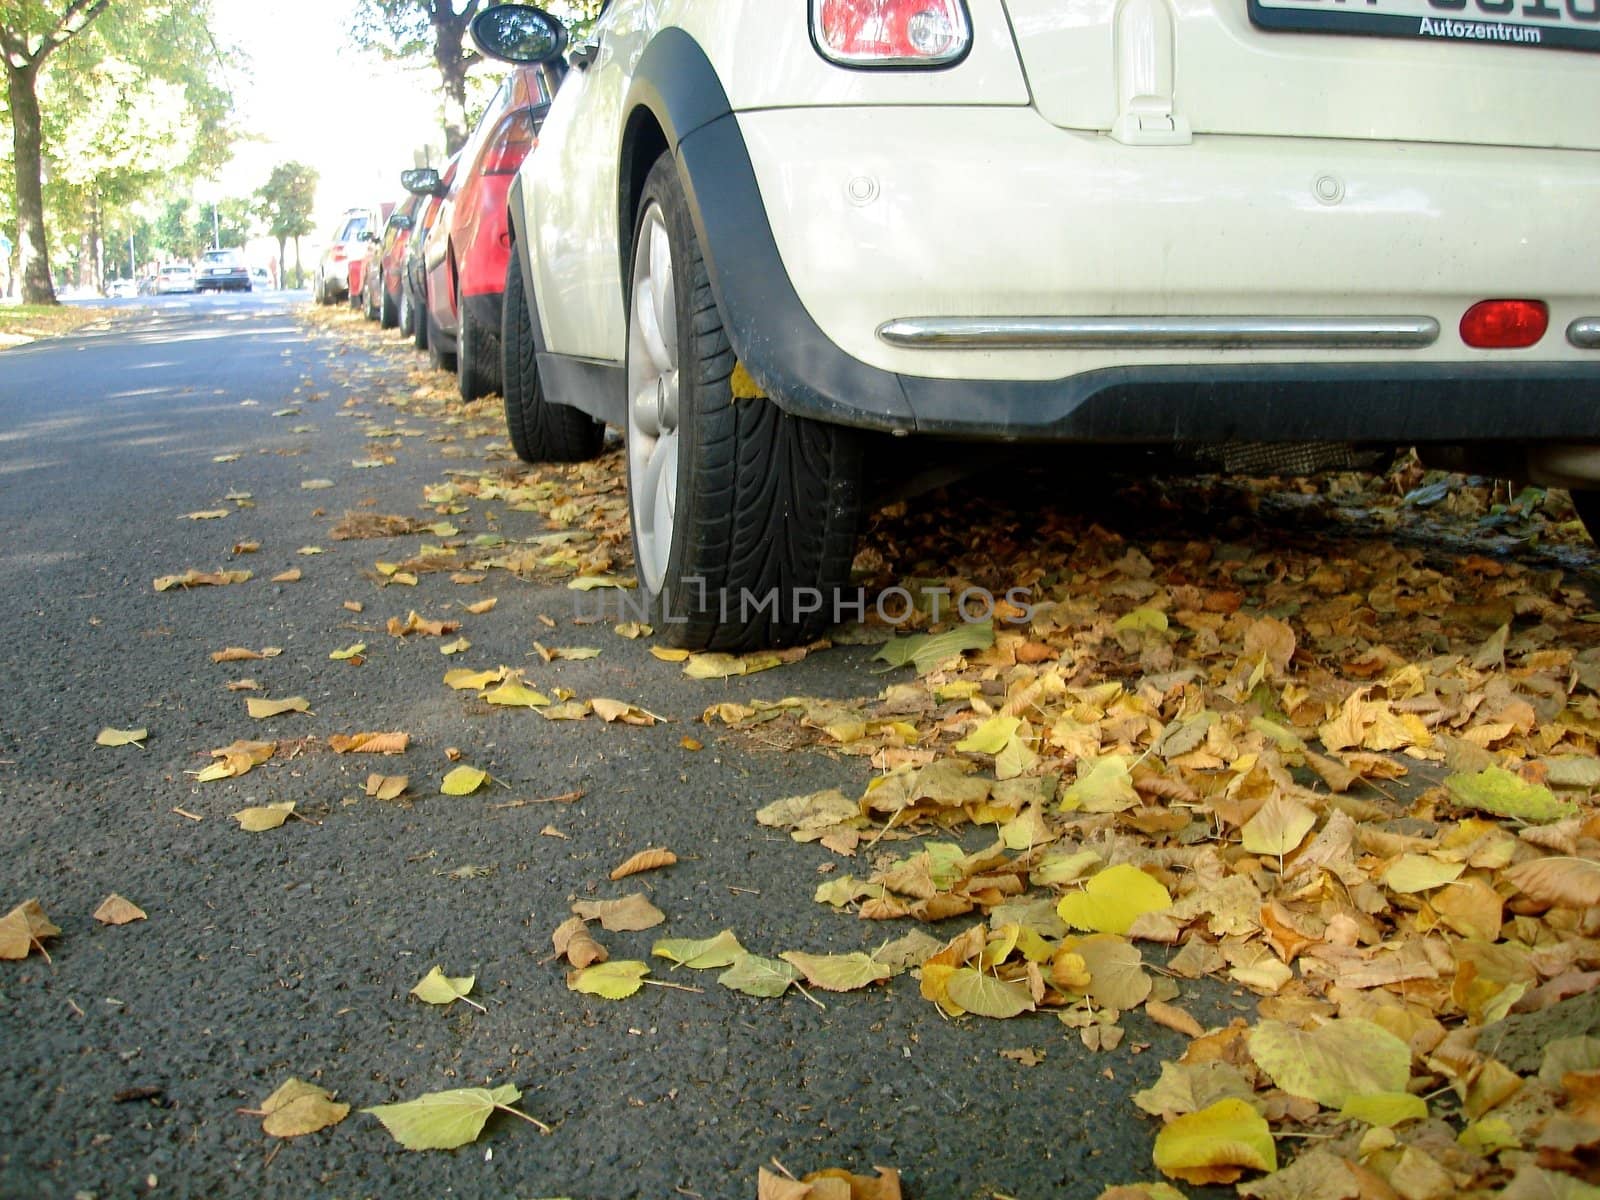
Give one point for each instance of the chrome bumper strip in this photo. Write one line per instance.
(1218, 333)
(1584, 333)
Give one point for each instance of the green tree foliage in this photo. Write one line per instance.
(437, 29)
(285, 203)
(108, 97)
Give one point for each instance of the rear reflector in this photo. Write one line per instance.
(1505, 324)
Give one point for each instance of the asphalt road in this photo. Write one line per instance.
(292, 952)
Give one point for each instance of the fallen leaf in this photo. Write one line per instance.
(264, 817)
(1117, 978)
(122, 737)
(482, 606)
(1177, 1019)
(463, 781)
(348, 653)
(611, 711)
(588, 583)
(210, 514)
(628, 915)
(1569, 882)
(114, 910)
(1216, 1144)
(645, 860)
(610, 980)
(1334, 1062)
(298, 1108)
(987, 996)
(1278, 827)
(192, 578)
(837, 972)
(445, 1120)
(463, 680)
(438, 988)
(515, 694)
(633, 630)
(1498, 791)
(573, 942)
(1112, 900)
(768, 978)
(459, 646)
(924, 651)
(387, 787)
(236, 654)
(262, 709)
(23, 929)
(394, 742)
(1385, 1109)
(711, 953)
(1412, 873)
(292, 575)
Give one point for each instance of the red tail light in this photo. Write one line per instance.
(338, 253)
(857, 33)
(512, 142)
(1505, 324)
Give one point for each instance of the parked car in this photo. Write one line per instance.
(381, 276)
(1144, 226)
(259, 278)
(122, 289)
(465, 254)
(413, 274)
(174, 277)
(223, 270)
(332, 280)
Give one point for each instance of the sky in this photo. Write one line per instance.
(314, 98)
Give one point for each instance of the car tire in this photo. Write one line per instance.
(388, 310)
(372, 299)
(438, 357)
(419, 321)
(406, 309)
(477, 356)
(744, 517)
(540, 431)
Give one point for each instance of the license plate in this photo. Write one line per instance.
(1537, 24)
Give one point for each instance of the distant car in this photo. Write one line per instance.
(467, 253)
(259, 278)
(332, 280)
(122, 289)
(413, 304)
(174, 277)
(382, 274)
(222, 270)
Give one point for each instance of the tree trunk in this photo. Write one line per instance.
(299, 274)
(453, 70)
(33, 254)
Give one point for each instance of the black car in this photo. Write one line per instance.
(222, 270)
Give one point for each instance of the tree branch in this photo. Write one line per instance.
(65, 31)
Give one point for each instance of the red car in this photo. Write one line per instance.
(466, 254)
(381, 273)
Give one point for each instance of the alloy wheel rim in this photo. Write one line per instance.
(653, 430)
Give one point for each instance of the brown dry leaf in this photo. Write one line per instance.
(483, 606)
(363, 525)
(292, 575)
(1568, 881)
(23, 929)
(1027, 1056)
(114, 910)
(369, 743)
(298, 1108)
(1174, 1018)
(628, 915)
(236, 654)
(387, 787)
(611, 711)
(192, 578)
(573, 942)
(645, 860)
(413, 623)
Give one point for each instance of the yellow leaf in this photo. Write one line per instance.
(438, 988)
(669, 654)
(463, 680)
(482, 606)
(264, 817)
(611, 711)
(348, 653)
(703, 954)
(1496, 790)
(837, 972)
(1116, 971)
(513, 694)
(459, 646)
(1386, 1109)
(645, 860)
(262, 709)
(394, 742)
(1113, 900)
(987, 996)
(1334, 1062)
(387, 787)
(588, 583)
(991, 737)
(443, 1120)
(463, 781)
(610, 980)
(1278, 827)
(1142, 620)
(1104, 786)
(1216, 1144)
(121, 737)
(299, 1108)
(1420, 873)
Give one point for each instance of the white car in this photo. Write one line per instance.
(757, 236)
(175, 277)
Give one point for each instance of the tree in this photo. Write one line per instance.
(436, 29)
(30, 32)
(285, 202)
(109, 97)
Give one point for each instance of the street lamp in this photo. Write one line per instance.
(216, 228)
